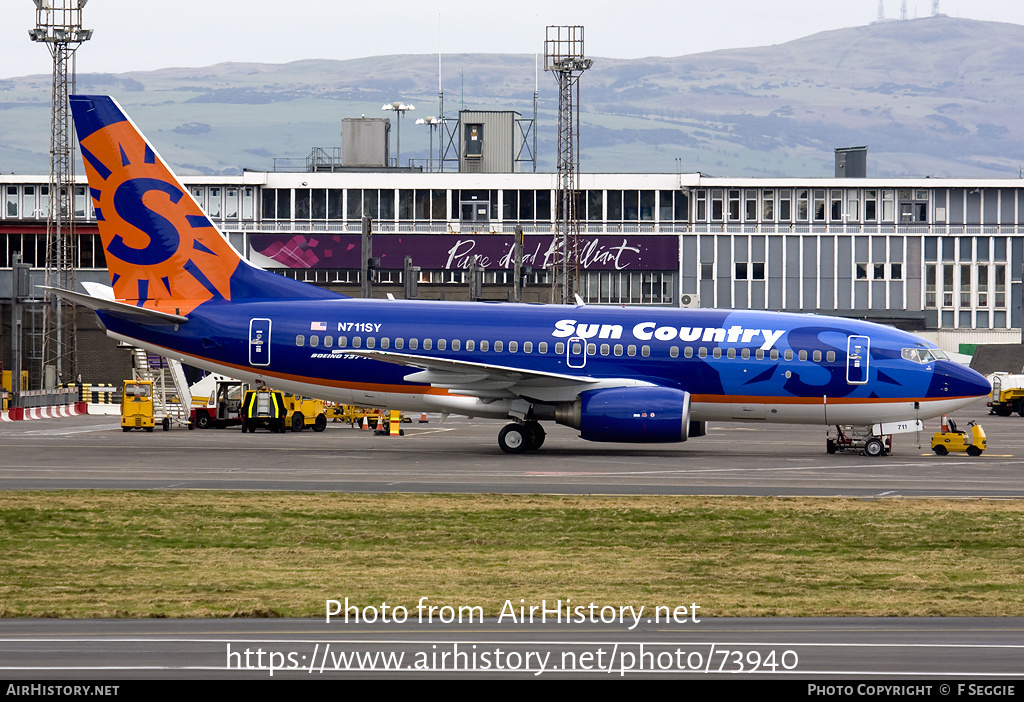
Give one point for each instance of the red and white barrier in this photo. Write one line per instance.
(53, 412)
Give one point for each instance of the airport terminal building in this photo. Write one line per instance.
(939, 256)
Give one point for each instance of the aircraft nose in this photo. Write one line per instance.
(955, 380)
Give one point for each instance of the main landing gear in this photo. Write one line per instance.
(519, 438)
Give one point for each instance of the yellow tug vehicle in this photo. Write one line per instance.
(953, 440)
(137, 405)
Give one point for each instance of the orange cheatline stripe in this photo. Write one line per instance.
(699, 398)
(758, 399)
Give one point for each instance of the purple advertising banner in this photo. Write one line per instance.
(651, 252)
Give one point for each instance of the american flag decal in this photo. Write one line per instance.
(318, 326)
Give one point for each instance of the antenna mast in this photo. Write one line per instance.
(440, 103)
(564, 56)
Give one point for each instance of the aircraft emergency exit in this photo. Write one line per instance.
(617, 374)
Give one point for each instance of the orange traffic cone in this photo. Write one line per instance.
(423, 418)
(945, 424)
(366, 423)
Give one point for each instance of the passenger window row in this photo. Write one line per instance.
(576, 348)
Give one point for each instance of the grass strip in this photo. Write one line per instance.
(216, 554)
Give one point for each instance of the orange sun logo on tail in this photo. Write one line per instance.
(162, 251)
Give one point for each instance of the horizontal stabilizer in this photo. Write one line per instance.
(103, 292)
(139, 315)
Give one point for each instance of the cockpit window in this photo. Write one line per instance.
(924, 355)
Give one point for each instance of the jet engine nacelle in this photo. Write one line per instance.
(643, 415)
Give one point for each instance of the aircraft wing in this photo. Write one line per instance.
(492, 381)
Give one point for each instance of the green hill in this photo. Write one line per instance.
(935, 96)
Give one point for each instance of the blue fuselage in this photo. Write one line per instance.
(735, 364)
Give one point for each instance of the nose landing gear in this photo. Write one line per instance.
(848, 438)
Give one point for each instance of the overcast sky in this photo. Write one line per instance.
(150, 34)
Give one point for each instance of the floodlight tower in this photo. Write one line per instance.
(563, 56)
(432, 122)
(401, 108)
(59, 26)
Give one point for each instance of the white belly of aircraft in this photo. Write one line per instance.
(865, 413)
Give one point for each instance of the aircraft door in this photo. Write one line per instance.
(857, 355)
(259, 342)
(576, 352)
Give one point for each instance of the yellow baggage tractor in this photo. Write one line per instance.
(973, 441)
(137, 405)
(305, 412)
